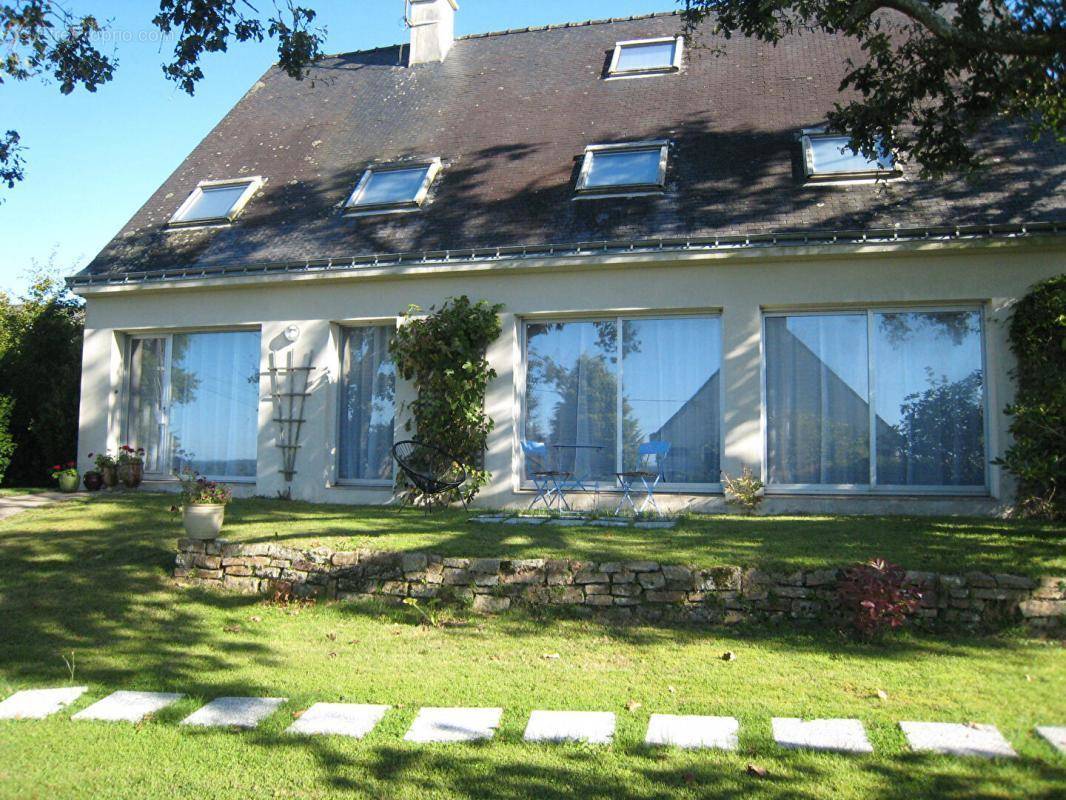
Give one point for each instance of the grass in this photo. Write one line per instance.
(942, 544)
(15, 491)
(88, 580)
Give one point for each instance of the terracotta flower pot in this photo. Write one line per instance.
(110, 476)
(202, 521)
(131, 474)
(93, 481)
(69, 483)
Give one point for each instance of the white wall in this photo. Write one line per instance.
(741, 287)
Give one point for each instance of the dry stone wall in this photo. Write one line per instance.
(644, 590)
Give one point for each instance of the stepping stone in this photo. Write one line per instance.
(955, 739)
(485, 519)
(836, 735)
(655, 523)
(454, 724)
(39, 703)
(339, 719)
(240, 712)
(610, 522)
(693, 731)
(569, 522)
(1056, 736)
(526, 521)
(595, 727)
(128, 706)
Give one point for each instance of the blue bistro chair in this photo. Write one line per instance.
(648, 454)
(547, 480)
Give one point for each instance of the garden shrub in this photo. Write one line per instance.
(444, 353)
(7, 441)
(745, 491)
(40, 371)
(1037, 457)
(875, 597)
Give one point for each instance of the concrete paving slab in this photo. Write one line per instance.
(836, 735)
(39, 703)
(594, 727)
(526, 521)
(338, 719)
(610, 522)
(1056, 736)
(655, 523)
(693, 731)
(128, 706)
(239, 712)
(454, 725)
(956, 739)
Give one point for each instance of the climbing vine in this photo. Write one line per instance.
(444, 354)
(1037, 457)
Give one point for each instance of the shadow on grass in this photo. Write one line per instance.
(517, 772)
(101, 584)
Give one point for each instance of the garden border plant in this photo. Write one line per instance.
(444, 353)
(1037, 457)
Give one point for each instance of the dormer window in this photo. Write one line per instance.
(216, 202)
(829, 157)
(612, 170)
(646, 57)
(392, 188)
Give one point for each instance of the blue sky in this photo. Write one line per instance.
(93, 159)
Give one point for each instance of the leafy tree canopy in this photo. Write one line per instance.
(934, 73)
(42, 39)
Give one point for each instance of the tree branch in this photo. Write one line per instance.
(1049, 43)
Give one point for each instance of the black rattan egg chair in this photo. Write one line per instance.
(431, 470)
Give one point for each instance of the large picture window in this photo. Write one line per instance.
(367, 408)
(876, 399)
(597, 389)
(194, 403)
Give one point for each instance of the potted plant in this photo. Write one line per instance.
(130, 466)
(203, 506)
(93, 480)
(107, 467)
(67, 476)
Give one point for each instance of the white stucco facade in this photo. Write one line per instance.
(741, 286)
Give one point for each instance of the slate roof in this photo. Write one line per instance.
(510, 115)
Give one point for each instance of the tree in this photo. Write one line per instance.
(934, 72)
(40, 371)
(42, 39)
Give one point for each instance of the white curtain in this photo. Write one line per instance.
(817, 410)
(214, 403)
(147, 382)
(367, 405)
(929, 398)
(671, 392)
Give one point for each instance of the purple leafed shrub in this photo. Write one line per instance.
(874, 594)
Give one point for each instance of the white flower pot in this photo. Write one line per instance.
(202, 521)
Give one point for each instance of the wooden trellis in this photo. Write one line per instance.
(288, 390)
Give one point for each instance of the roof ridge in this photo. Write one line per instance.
(531, 29)
(564, 25)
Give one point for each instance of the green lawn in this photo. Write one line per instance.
(941, 544)
(88, 580)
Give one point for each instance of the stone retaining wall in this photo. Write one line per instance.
(641, 589)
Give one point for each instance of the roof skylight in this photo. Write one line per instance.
(646, 57)
(216, 201)
(623, 169)
(393, 187)
(829, 156)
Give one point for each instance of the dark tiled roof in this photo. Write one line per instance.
(510, 115)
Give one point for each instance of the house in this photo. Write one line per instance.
(682, 253)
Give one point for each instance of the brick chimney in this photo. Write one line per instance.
(432, 24)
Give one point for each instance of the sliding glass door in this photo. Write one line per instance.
(194, 403)
(598, 389)
(876, 399)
